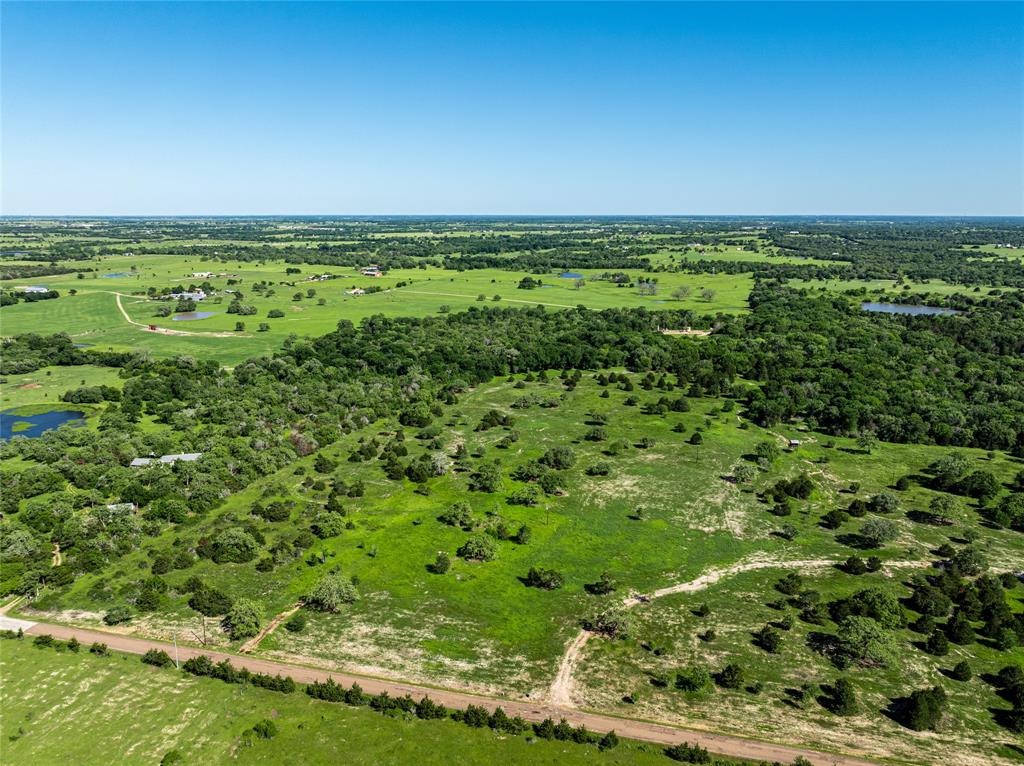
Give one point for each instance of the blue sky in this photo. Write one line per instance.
(250, 108)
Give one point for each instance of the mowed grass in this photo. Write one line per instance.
(46, 385)
(63, 708)
(92, 316)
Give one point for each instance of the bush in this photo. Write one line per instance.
(687, 753)
(235, 546)
(731, 676)
(117, 615)
(265, 729)
(243, 619)
(962, 671)
(209, 602)
(99, 649)
(157, 657)
(925, 708)
(547, 579)
(693, 679)
(330, 593)
(478, 548)
(296, 623)
(441, 564)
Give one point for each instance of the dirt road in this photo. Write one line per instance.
(639, 730)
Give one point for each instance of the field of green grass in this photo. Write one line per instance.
(121, 711)
(665, 514)
(46, 385)
(92, 316)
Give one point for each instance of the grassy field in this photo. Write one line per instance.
(91, 316)
(46, 385)
(665, 514)
(128, 713)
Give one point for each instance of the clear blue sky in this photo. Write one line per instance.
(239, 108)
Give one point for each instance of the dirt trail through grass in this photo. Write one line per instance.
(562, 688)
(165, 331)
(253, 642)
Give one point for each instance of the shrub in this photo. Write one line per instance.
(547, 579)
(157, 657)
(687, 753)
(209, 601)
(296, 623)
(117, 615)
(693, 679)
(731, 676)
(243, 619)
(330, 593)
(478, 548)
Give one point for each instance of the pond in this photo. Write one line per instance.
(118, 274)
(902, 308)
(570, 275)
(187, 316)
(32, 426)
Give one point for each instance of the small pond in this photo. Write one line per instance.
(187, 316)
(84, 345)
(32, 426)
(903, 308)
(570, 275)
(118, 274)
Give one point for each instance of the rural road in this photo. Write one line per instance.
(736, 747)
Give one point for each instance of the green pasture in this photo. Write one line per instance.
(478, 624)
(91, 316)
(46, 385)
(124, 712)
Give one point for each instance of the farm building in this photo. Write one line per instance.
(188, 457)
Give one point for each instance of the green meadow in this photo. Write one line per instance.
(666, 513)
(91, 316)
(124, 712)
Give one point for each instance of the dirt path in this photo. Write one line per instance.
(253, 642)
(646, 731)
(57, 560)
(166, 331)
(562, 688)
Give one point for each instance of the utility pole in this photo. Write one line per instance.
(176, 663)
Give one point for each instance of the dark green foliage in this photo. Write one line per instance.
(157, 657)
(687, 753)
(546, 579)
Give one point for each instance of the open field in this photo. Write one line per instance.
(92, 316)
(46, 385)
(665, 514)
(128, 713)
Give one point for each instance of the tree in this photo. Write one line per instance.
(843, 700)
(744, 473)
(769, 639)
(330, 593)
(924, 708)
(546, 579)
(478, 547)
(867, 441)
(862, 641)
(682, 292)
(234, 545)
(687, 753)
(731, 676)
(693, 679)
(937, 644)
(875, 533)
(441, 564)
(243, 619)
(768, 451)
(707, 294)
(962, 671)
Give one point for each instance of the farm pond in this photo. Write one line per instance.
(31, 426)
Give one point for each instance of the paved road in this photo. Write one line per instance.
(640, 730)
